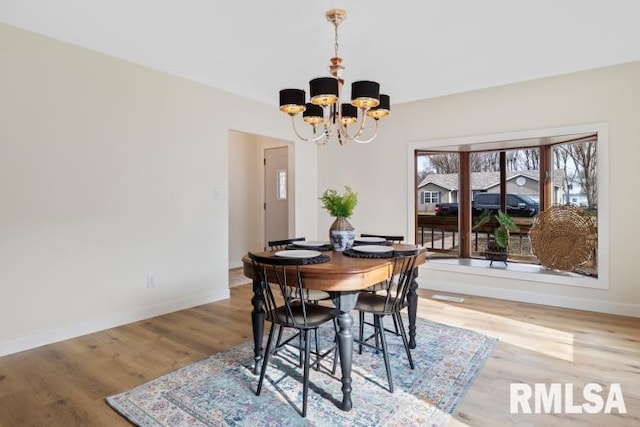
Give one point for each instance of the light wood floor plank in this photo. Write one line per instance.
(64, 384)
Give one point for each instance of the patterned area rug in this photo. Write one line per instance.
(220, 390)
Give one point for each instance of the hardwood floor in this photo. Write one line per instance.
(64, 384)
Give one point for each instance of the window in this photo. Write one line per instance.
(281, 185)
(430, 197)
(531, 171)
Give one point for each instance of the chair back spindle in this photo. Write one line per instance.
(279, 245)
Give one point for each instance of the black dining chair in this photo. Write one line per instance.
(379, 286)
(279, 245)
(287, 306)
(314, 295)
(388, 303)
(392, 239)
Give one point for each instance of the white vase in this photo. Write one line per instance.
(341, 234)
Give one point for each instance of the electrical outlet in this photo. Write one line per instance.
(151, 282)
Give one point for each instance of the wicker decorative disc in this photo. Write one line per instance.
(563, 237)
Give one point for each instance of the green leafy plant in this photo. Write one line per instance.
(505, 226)
(339, 205)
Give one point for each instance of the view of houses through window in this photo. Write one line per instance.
(569, 178)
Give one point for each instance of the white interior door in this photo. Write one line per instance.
(276, 192)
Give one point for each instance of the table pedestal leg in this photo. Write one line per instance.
(257, 321)
(345, 302)
(412, 308)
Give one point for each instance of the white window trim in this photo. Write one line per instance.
(431, 193)
(602, 281)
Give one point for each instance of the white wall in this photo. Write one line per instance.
(244, 196)
(379, 171)
(108, 175)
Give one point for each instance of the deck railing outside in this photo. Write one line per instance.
(440, 234)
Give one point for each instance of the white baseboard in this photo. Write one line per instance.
(235, 264)
(94, 325)
(55, 335)
(554, 300)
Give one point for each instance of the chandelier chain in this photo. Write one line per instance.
(336, 39)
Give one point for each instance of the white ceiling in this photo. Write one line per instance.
(415, 48)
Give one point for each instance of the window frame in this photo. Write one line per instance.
(513, 140)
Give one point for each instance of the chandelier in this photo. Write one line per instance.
(327, 116)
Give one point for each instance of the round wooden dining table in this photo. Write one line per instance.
(343, 277)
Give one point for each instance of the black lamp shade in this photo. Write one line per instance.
(382, 110)
(323, 90)
(365, 94)
(349, 114)
(292, 100)
(292, 97)
(385, 102)
(349, 110)
(313, 114)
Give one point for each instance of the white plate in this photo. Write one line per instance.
(372, 249)
(298, 253)
(371, 239)
(310, 244)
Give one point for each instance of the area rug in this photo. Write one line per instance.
(220, 390)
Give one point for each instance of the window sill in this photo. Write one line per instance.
(528, 272)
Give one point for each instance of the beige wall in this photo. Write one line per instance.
(246, 193)
(244, 196)
(109, 173)
(609, 95)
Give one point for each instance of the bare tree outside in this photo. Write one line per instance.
(585, 156)
(443, 163)
(517, 160)
(488, 161)
(530, 159)
(578, 161)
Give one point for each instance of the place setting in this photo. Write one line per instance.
(370, 241)
(312, 256)
(369, 251)
(320, 245)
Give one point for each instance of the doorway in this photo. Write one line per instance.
(276, 193)
(246, 189)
